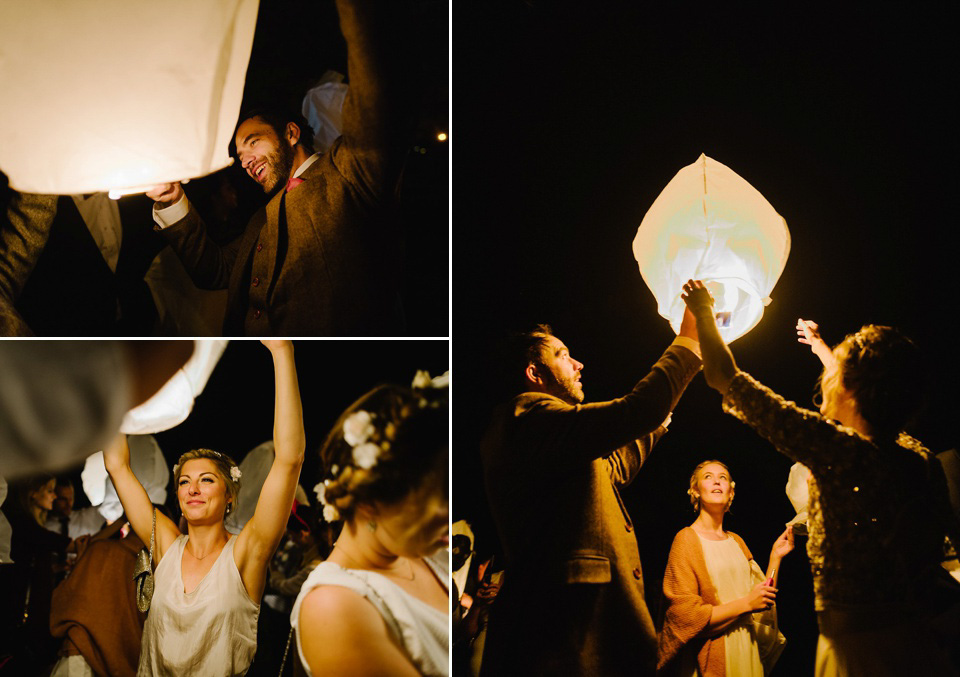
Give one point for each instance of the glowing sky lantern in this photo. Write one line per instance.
(710, 224)
(171, 405)
(118, 96)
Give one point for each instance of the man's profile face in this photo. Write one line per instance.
(560, 371)
(63, 503)
(267, 158)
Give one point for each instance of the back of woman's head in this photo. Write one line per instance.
(884, 371)
(385, 445)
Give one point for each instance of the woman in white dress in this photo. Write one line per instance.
(208, 583)
(380, 603)
(715, 588)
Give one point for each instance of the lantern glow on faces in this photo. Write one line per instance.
(119, 96)
(712, 225)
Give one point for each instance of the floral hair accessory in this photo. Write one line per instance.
(358, 427)
(422, 380)
(365, 455)
(330, 512)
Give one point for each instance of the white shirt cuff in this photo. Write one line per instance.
(689, 344)
(168, 216)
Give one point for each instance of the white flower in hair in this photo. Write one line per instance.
(320, 490)
(441, 381)
(235, 473)
(421, 379)
(358, 427)
(330, 513)
(365, 455)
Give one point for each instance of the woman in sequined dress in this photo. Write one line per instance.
(877, 524)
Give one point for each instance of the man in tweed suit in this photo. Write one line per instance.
(319, 259)
(572, 600)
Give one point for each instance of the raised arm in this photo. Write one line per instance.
(368, 152)
(719, 367)
(577, 433)
(208, 263)
(808, 332)
(136, 503)
(261, 535)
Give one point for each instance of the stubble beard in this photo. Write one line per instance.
(566, 389)
(280, 164)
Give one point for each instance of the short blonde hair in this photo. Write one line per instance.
(695, 478)
(223, 464)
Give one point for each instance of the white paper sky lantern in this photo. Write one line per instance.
(171, 405)
(116, 95)
(710, 224)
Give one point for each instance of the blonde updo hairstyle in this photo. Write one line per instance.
(694, 492)
(222, 462)
(409, 427)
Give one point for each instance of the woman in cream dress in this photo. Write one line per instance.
(208, 583)
(720, 619)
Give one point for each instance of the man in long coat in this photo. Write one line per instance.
(572, 600)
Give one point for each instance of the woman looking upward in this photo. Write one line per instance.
(713, 587)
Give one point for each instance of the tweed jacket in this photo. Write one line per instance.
(691, 596)
(572, 601)
(54, 280)
(23, 234)
(320, 260)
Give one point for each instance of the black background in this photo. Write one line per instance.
(572, 119)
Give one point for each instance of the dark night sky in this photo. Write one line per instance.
(571, 122)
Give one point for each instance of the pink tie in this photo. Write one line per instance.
(293, 182)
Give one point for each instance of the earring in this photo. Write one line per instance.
(372, 526)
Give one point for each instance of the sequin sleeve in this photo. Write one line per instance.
(799, 433)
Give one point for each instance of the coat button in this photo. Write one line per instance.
(256, 282)
(637, 573)
(259, 246)
(256, 314)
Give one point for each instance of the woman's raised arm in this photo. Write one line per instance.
(136, 503)
(262, 533)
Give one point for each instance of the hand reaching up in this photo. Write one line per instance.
(719, 367)
(808, 332)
